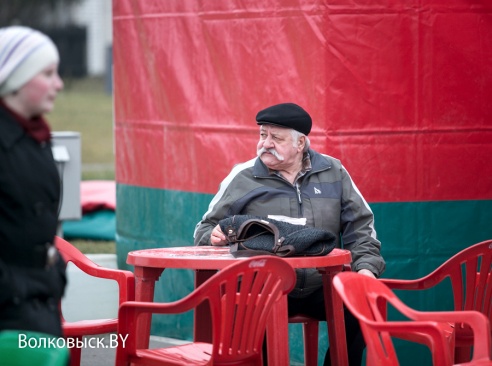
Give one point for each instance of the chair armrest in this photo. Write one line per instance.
(396, 284)
(431, 330)
(125, 279)
(428, 281)
(477, 321)
(129, 312)
(176, 307)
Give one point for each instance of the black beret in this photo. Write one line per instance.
(287, 115)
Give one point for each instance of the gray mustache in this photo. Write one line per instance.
(271, 151)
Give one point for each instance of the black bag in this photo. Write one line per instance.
(253, 235)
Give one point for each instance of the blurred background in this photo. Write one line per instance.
(81, 29)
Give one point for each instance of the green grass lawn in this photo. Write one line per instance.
(84, 106)
(95, 247)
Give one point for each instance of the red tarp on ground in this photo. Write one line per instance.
(97, 195)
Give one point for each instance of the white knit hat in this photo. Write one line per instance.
(24, 52)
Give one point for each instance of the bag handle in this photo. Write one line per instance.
(239, 236)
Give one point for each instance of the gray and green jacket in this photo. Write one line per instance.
(326, 196)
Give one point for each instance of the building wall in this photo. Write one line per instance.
(96, 16)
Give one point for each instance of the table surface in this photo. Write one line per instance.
(210, 257)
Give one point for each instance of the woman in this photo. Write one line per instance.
(32, 273)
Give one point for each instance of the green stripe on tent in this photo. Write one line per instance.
(416, 237)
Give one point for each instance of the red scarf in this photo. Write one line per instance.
(35, 127)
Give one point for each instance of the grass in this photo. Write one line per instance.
(85, 107)
(95, 247)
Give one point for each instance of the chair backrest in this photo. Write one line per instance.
(241, 297)
(364, 297)
(468, 270)
(470, 275)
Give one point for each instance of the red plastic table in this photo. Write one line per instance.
(206, 260)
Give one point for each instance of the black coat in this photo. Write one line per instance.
(30, 287)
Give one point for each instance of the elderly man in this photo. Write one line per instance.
(290, 179)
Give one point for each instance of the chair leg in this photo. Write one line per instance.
(76, 353)
(462, 354)
(310, 330)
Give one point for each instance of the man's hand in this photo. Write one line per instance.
(217, 237)
(366, 272)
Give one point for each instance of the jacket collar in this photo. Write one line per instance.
(11, 130)
(318, 163)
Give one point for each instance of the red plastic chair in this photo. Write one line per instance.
(470, 275)
(126, 284)
(364, 295)
(240, 296)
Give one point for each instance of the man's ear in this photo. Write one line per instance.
(301, 142)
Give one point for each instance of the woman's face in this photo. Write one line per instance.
(37, 96)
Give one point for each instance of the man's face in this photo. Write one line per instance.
(277, 149)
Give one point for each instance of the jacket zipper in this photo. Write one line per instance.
(298, 188)
(299, 199)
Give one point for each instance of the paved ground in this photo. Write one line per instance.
(106, 356)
